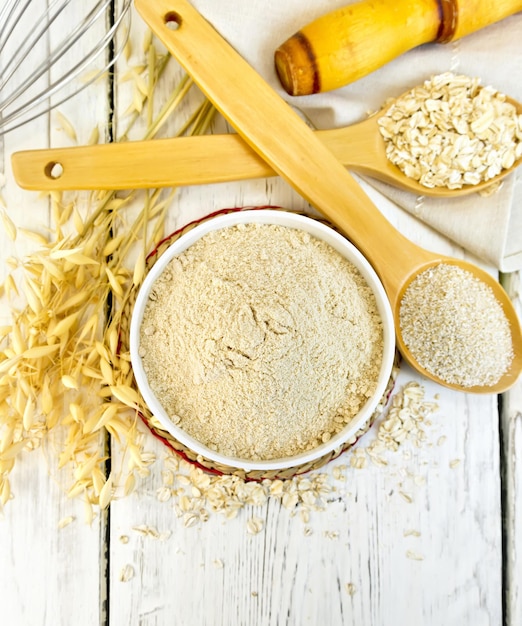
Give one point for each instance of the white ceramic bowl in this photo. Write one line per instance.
(316, 229)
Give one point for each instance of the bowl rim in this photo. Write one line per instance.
(317, 229)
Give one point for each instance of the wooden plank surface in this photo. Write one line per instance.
(511, 423)
(417, 541)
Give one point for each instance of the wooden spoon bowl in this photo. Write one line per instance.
(277, 133)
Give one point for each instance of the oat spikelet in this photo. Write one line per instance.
(106, 493)
(139, 269)
(8, 224)
(66, 126)
(94, 137)
(63, 378)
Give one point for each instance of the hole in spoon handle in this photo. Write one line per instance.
(53, 170)
(172, 20)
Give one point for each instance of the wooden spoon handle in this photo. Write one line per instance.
(276, 132)
(178, 161)
(140, 164)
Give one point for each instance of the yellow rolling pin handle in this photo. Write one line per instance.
(353, 41)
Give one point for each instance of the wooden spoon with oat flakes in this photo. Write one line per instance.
(447, 165)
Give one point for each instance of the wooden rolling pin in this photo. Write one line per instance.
(349, 43)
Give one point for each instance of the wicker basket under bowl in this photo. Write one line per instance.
(178, 439)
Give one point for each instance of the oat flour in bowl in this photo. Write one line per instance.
(261, 341)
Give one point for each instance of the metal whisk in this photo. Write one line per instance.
(48, 53)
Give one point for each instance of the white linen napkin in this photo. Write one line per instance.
(489, 227)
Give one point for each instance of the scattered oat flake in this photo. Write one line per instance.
(218, 564)
(255, 525)
(414, 556)
(406, 496)
(419, 480)
(124, 539)
(338, 472)
(190, 519)
(127, 573)
(411, 533)
(150, 531)
(350, 589)
(331, 534)
(290, 500)
(454, 463)
(163, 494)
(65, 521)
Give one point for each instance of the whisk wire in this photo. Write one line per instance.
(23, 51)
(72, 38)
(9, 18)
(36, 104)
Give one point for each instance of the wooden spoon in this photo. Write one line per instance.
(210, 159)
(277, 133)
